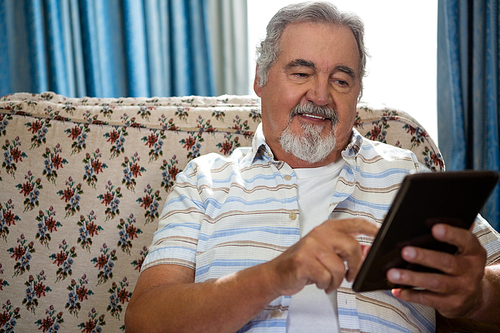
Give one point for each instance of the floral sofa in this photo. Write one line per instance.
(82, 182)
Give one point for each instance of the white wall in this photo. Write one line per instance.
(401, 37)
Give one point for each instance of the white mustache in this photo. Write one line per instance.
(322, 111)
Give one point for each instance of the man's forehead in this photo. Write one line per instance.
(293, 30)
(318, 45)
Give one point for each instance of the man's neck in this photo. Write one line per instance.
(295, 162)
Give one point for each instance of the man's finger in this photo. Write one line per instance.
(354, 227)
(459, 237)
(442, 261)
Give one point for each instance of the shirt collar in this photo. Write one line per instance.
(259, 145)
(261, 149)
(354, 146)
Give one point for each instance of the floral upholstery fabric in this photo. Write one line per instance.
(83, 181)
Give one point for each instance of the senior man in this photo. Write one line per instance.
(270, 238)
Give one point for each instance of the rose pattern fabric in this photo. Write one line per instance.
(83, 181)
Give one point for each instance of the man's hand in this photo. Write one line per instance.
(324, 257)
(458, 292)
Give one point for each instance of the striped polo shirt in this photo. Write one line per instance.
(228, 213)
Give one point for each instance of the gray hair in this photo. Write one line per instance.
(317, 12)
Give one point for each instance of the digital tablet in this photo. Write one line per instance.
(423, 200)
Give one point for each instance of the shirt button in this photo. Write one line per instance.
(288, 177)
(292, 215)
(276, 313)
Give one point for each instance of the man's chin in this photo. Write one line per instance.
(306, 130)
(311, 150)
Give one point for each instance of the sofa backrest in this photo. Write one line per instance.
(83, 180)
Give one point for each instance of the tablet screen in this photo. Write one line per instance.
(423, 200)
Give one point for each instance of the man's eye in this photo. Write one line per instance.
(301, 75)
(343, 86)
(342, 83)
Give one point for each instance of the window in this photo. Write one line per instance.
(401, 37)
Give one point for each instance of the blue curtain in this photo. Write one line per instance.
(105, 48)
(468, 89)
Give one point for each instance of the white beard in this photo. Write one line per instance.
(310, 147)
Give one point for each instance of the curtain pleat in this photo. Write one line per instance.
(200, 53)
(4, 45)
(229, 32)
(36, 45)
(109, 48)
(136, 47)
(165, 48)
(74, 46)
(468, 89)
(181, 70)
(90, 43)
(69, 63)
(154, 29)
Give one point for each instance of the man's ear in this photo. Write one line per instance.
(256, 85)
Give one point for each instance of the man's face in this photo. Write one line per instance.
(318, 65)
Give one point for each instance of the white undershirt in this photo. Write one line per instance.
(312, 310)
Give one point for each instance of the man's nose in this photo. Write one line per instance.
(319, 92)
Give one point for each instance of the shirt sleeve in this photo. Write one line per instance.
(489, 239)
(176, 239)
